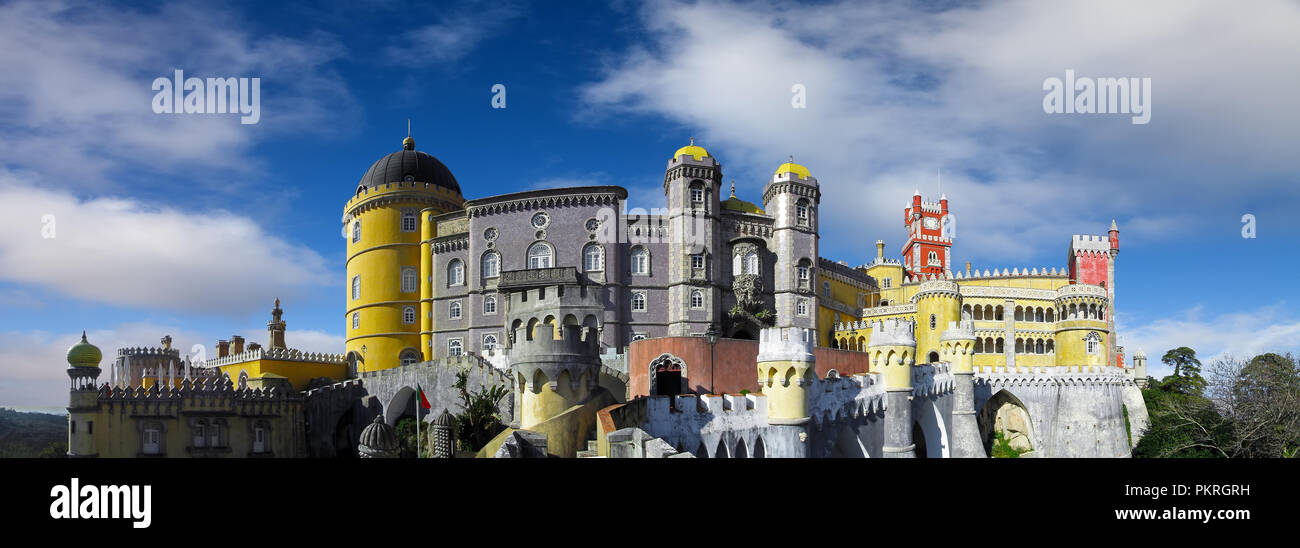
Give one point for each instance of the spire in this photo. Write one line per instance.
(692, 141)
(1113, 226)
(733, 188)
(83, 335)
(408, 143)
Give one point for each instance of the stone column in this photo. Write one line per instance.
(898, 424)
(1009, 315)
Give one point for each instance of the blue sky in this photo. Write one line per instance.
(190, 225)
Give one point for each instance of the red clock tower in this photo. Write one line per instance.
(929, 245)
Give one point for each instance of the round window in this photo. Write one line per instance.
(540, 220)
(490, 234)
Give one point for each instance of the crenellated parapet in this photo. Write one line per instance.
(197, 395)
(274, 353)
(933, 379)
(787, 344)
(893, 332)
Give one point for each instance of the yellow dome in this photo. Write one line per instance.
(791, 167)
(698, 152)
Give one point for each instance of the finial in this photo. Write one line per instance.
(408, 127)
(1113, 226)
(83, 335)
(408, 143)
(692, 141)
(792, 158)
(733, 188)
(277, 302)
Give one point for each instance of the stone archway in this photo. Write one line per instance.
(668, 376)
(1004, 413)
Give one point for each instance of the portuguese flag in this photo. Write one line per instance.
(424, 402)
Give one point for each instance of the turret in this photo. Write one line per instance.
(938, 303)
(275, 328)
(1140, 368)
(792, 197)
(786, 368)
(893, 353)
(83, 371)
(692, 183)
(958, 343)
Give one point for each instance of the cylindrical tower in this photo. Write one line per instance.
(958, 349)
(1082, 336)
(83, 398)
(785, 370)
(893, 353)
(382, 224)
(938, 304)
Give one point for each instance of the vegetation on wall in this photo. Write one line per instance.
(479, 420)
(1002, 448)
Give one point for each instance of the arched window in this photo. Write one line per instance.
(1094, 342)
(801, 212)
(408, 279)
(638, 301)
(591, 258)
(215, 438)
(356, 320)
(1020, 314)
(540, 255)
(697, 298)
(489, 342)
(1040, 347)
(934, 321)
(200, 433)
(801, 308)
(1001, 346)
(934, 258)
(408, 220)
(751, 262)
(640, 262)
(455, 272)
(455, 347)
(490, 265)
(356, 287)
(409, 356)
(408, 315)
(356, 231)
(490, 304)
(453, 311)
(979, 346)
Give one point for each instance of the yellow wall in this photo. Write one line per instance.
(378, 258)
(298, 373)
(780, 382)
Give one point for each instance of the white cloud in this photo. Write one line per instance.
(35, 375)
(454, 36)
(1241, 334)
(75, 90)
(896, 91)
(122, 252)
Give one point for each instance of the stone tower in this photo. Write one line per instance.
(692, 181)
(958, 349)
(1140, 368)
(893, 352)
(83, 370)
(385, 267)
(786, 367)
(1092, 261)
(275, 328)
(792, 197)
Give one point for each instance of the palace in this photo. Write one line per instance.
(710, 328)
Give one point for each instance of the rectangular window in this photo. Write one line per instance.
(408, 279)
(697, 195)
(697, 261)
(408, 220)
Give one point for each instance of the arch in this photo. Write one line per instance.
(1049, 316)
(399, 405)
(455, 272)
(1040, 347)
(752, 264)
(1020, 314)
(741, 453)
(667, 374)
(540, 255)
(1006, 413)
(1020, 346)
(721, 451)
(1038, 314)
(979, 346)
(933, 357)
(1001, 346)
(639, 260)
(998, 313)
(490, 264)
(243, 379)
(701, 452)
(1051, 346)
(979, 313)
(532, 328)
(933, 441)
(408, 356)
(593, 257)
(760, 452)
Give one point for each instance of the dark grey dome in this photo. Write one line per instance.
(379, 436)
(422, 167)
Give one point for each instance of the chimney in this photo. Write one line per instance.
(967, 269)
(236, 344)
(880, 250)
(223, 348)
(275, 327)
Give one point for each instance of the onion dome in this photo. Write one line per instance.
(736, 204)
(409, 165)
(378, 439)
(791, 167)
(697, 152)
(84, 354)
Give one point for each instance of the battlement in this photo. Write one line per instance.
(284, 354)
(959, 331)
(571, 340)
(462, 362)
(786, 344)
(424, 190)
(149, 351)
(893, 332)
(1081, 290)
(206, 389)
(932, 379)
(1089, 242)
(936, 287)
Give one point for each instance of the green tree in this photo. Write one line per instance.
(479, 420)
(1187, 372)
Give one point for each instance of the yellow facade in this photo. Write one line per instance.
(298, 373)
(377, 258)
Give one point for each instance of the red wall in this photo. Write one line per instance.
(736, 363)
(1089, 267)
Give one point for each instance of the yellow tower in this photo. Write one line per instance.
(938, 302)
(785, 371)
(1081, 329)
(83, 370)
(382, 224)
